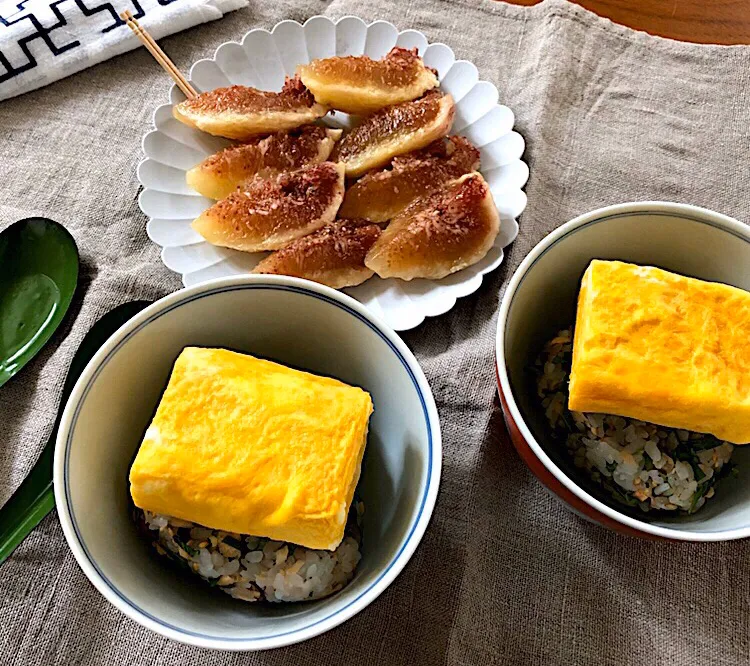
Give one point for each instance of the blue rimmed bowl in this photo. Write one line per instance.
(292, 321)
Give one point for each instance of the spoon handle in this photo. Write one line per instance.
(35, 497)
(31, 502)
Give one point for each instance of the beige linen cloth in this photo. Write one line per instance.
(505, 574)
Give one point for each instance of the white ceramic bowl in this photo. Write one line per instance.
(262, 60)
(541, 299)
(297, 323)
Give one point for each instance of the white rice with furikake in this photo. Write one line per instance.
(639, 464)
(252, 568)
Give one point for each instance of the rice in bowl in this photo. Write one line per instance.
(252, 568)
(643, 465)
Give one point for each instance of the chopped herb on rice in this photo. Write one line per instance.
(253, 568)
(639, 464)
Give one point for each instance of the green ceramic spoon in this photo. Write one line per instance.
(38, 277)
(35, 497)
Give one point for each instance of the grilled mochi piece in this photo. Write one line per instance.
(360, 85)
(440, 234)
(219, 175)
(381, 195)
(239, 112)
(393, 131)
(245, 445)
(267, 214)
(333, 255)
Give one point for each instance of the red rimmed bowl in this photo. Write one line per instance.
(541, 299)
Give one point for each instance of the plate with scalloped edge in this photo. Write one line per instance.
(263, 59)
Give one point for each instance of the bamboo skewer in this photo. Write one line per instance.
(159, 55)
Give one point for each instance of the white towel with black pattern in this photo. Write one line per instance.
(42, 41)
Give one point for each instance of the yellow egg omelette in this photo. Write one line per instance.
(250, 446)
(664, 348)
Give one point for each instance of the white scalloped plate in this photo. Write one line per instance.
(262, 60)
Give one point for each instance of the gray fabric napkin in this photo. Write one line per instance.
(505, 575)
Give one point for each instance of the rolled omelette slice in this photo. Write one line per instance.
(250, 446)
(664, 348)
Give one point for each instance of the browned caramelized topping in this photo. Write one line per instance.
(452, 212)
(287, 201)
(243, 99)
(380, 195)
(349, 239)
(271, 154)
(454, 152)
(400, 67)
(388, 123)
(440, 234)
(333, 255)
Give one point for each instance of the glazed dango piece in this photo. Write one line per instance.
(380, 195)
(334, 255)
(267, 214)
(394, 131)
(220, 174)
(360, 85)
(440, 234)
(240, 112)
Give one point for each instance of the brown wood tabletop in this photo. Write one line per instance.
(704, 21)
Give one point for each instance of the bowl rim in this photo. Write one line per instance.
(688, 211)
(340, 612)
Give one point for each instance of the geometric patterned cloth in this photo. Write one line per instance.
(45, 40)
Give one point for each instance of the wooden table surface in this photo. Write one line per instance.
(704, 21)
